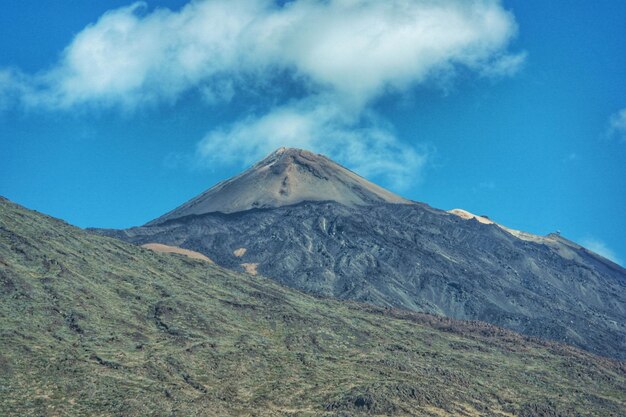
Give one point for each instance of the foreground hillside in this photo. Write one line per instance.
(91, 325)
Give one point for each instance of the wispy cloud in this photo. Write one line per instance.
(617, 125)
(600, 247)
(360, 140)
(13, 85)
(344, 54)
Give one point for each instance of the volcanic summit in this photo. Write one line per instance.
(285, 177)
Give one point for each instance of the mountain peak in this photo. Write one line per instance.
(285, 156)
(284, 149)
(286, 176)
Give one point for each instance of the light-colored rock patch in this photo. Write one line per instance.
(250, 268)
(464, 214)
(158, 247)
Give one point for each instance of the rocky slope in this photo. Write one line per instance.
(391, 252)
(287, 176)
(94, 326)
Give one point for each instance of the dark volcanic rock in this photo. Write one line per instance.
(312, 224)
(416, 257)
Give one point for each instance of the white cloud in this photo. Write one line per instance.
(354, 51)
(505, 65)
(617, 125)
(600, 247)
(363, 47)
(129, 58)
(360, 141)
(359, 48)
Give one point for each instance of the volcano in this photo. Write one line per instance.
(311, 224)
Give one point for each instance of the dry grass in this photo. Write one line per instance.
(94, 326)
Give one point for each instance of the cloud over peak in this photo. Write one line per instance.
(361, 141)
(344, 53)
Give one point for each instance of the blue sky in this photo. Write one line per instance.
(112, 114)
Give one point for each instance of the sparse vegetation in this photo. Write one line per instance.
(93, 326)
